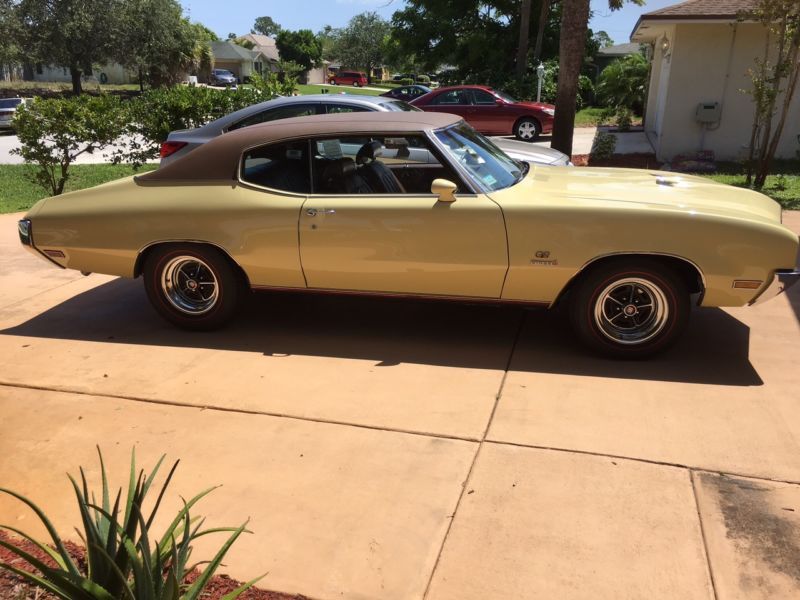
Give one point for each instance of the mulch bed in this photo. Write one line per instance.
(14, 587)
(631, 161)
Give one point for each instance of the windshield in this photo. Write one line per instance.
(505, 97)
(10, 102)
(399, 105)
(488, 166)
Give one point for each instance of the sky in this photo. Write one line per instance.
(237, 16)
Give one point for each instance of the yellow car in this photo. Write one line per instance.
(420, 204)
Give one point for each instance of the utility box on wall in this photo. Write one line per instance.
(708, 112)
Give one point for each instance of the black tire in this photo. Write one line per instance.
(179, 278)
(356, 84)
(332, 82)
(527, 129)
(629, 308)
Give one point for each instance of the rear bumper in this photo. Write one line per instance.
(781, 282)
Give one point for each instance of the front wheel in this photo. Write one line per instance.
(332, 82)
(527, 129)
(630, 309)
(192, 286)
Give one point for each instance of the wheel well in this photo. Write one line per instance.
(689, 273)
(140, 260)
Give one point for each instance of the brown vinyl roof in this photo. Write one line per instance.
(702, 9)
(218, 160)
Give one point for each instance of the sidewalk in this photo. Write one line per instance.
(401, 450)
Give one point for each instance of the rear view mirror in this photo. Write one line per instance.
(444, 189)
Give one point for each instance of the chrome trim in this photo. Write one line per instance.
(25, 230)
(782, 281)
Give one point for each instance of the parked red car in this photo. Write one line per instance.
(489, 111)
(355, 78)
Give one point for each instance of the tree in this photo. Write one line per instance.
(266, 26)
(537, 50)
(362, 43)
(524, 30)
(10, 55)
(158, 43)
(603, 39)
(301, 47)
(71, 33)
(774, 79)
(572, 49)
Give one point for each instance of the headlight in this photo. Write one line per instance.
(25, 233)
(549, 111)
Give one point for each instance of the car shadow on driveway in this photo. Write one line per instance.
(393, 331)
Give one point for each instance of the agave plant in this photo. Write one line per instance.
(122, 562)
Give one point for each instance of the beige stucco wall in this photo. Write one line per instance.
(709, 64)
(115, 73)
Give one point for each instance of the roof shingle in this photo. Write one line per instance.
(702, 9)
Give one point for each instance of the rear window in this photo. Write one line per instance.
(399, 105)
(10, 102)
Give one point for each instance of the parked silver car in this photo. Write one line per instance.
(181, 142)
(9, 106)
(222, 77)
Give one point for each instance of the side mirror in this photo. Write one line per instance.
(444, 189)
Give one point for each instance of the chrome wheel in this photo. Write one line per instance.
(189, 285)
(631, 311)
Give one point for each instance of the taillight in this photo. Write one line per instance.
(170, 148)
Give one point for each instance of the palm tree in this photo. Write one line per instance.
(572, 47)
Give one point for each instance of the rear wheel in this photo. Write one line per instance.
(192, 286)
(630, 309)
(356, 84)
(527, 129)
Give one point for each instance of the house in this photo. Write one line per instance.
(109, 73)
(605, 56)
(701, 51)
(239, 60)
(268, 48)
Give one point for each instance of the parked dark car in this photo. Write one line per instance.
(9, 106)
(491, 112)
(355, 78)
(407, 92)
(222, 77)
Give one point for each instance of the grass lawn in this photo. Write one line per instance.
(592, 117)
(18, 191)
(783, 185)
(335, 89)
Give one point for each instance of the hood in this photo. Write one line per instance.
(686, 193)
(537, 105)
(531, 152)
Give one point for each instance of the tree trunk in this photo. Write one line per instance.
(574, 25)
(524, 30)
(772, 145)
(537, 50)
(75, 73)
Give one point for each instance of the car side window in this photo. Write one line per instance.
(376, 164)
(344, 108)
(483, 98)
(282, 167)
(275, 114)
(450, 97)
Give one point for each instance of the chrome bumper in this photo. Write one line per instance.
(782, 281)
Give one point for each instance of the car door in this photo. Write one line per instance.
(389, 234)
(487, 115)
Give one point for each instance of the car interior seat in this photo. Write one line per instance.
(340, 176)
(377, 174)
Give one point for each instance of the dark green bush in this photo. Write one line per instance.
(406, 81)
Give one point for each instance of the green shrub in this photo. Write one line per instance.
(406, 81)
(156, 112)
(603, 145)
(423, 79)
(623, 83)
(53, 133)
(124, 561)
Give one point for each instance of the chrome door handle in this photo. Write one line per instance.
(312, 212)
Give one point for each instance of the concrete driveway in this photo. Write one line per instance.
(405, 450)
